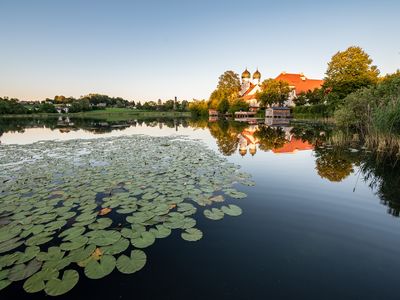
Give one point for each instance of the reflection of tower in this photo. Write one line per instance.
(242, 145)
(252, 149)
(248, 140)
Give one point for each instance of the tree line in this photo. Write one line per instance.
(84, 103)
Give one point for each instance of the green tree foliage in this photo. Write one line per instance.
(11, 106)
(149, 105)
(238, 105)
(95, 99)
(310, 97)
(47, 108)
(223, 105)
(273, 92)
(227, 89)
(199, 108)
(80, 105)
(347, 72)
(373, 109)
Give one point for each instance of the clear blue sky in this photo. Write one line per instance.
(146, 50)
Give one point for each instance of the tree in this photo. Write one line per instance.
(228, 88)
(310, 97)
(347, 72)
(198, 108)
(238, 105)
(47, 108)
(223, 105)
(273, 92)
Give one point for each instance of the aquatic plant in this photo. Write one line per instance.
(97, 204)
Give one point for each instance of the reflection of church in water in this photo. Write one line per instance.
(248, 142)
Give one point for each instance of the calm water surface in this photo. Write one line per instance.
(321, 223)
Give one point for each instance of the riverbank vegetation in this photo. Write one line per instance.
(88, 103)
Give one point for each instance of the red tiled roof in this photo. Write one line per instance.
(252, 86)
(300, 84)
(249, 97)
(293, 146)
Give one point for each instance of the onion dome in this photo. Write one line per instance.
(257, 75)
(246, 74)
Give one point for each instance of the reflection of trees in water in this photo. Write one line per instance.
(332, 164)
(270, 138)
(226, 134)
(383, 175)
(96, 126)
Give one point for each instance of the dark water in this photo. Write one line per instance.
(321, 223)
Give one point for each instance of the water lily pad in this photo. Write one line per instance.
(30, 253)
(99, 269)
(57, 264)
(4, 283)
(10, 244)
(120, 246)
(81, 253)
(39, 239)
(160, 231)
(235, 194)
(213, 214)
(57, 287)
(132, 264)
(22, 271)
(103, 237)
(36, 282)
(232, 210)
(192, 234)
(71, 233)
(9, 259)
(75, 243)
(101, 223)
(53, 253)
(144, 240)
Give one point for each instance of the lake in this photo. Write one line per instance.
(320, 220)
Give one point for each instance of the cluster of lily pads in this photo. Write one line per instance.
(96, 204)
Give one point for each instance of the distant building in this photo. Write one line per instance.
(298, 84)
(249, 88)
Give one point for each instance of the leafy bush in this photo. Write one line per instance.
(373, 109)
(317, 109)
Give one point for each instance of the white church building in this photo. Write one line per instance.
(250, 87)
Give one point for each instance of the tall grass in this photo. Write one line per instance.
(374, 113)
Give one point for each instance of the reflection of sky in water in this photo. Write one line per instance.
(300, 236)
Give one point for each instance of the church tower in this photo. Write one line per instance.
(246, 77)
(257, 77)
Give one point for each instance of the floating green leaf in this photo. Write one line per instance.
(75, 243)
(10, 244)
(214, 214)
(132, 264)
(144, 240)
(232, 210)
(192, 234)
(120, 246)
(22, 271)
(36, 283)
(160, 231)
(99, 269)
(57, 287)
(103, 237)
